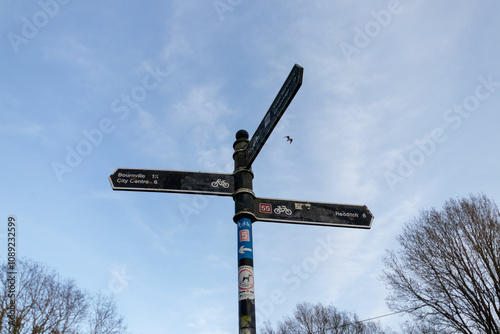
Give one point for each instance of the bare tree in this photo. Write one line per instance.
(103, 318)
(319, 319)
(447, 269)
(46, 303)
(419, 327)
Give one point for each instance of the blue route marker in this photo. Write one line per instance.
(245, 247)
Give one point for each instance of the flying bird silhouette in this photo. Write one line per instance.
(289, 139)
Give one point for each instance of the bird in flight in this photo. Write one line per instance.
(289, 139)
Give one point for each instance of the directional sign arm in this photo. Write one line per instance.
(311, 213)
(273, 115)
(172, 181)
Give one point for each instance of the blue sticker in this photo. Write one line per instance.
(245, 248)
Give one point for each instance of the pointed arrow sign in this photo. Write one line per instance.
(243, 250)
(311, 213)
(277, 109)
(172, 181)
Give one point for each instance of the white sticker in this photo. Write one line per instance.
(246, 283)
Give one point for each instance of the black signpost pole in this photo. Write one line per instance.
(243, 202)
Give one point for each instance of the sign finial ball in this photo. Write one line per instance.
(241, 134)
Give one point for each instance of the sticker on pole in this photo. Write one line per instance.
(244, 235)
(246, 283)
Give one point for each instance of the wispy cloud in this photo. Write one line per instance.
(203, 114)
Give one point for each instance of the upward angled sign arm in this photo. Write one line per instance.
(277, 109)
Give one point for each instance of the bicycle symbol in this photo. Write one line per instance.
(282, 208)
(220, 183)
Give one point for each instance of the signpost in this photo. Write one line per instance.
(248, 207)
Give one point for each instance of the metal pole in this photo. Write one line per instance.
(243, 201)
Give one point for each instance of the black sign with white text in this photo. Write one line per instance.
(277, 109)
(311, 213)
(172, 181)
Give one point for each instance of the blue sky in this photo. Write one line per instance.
(398, 111)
